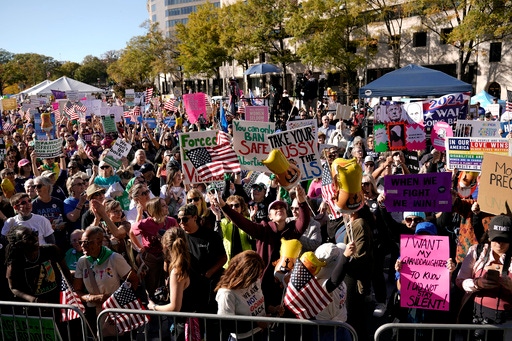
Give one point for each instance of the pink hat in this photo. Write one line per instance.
(23, 162)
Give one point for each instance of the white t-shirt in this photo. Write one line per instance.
(37, 223)
(337, 309)
(246, 302)
(108, 275)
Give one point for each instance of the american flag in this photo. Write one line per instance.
(56, 114)
(70, 109)
(214, 161)
(241, 107)
(9, 126)
(207, 101)
(509, 101)
(124, 298)
(149, 95)
(328, 192)
(80, 107)
(170, 105)
(68, 296)
(127, 114)
(223, 137)
(304, 296)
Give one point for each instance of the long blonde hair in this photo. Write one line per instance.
(176, 252)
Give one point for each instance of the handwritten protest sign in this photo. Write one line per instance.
(303, 123)
(109, 123)
(21, 327)
(256, 113)
(8, 103)
(418, 192)
(250, 143)
(466, 128)
(195, 105)
(119, 150)
(48, 148)
(192, 140)
(495, 186)
(467, 153)
(129, 97)
(300, 147)
(424, 278)
(440, 132)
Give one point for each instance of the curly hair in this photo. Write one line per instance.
(243, 270)
(176, 252)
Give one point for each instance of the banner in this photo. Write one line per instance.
(467, 128)
(250, 143)
(256, 113)
(120, 149)
(467, 153)
(506, 128)
(44, 124)
(189, 141)
(195, 105)
(300, 147)
(48, 148)
(448, 108)
(424, 278)
(495, 185)
(418, 192)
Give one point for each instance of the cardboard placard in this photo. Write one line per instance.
(495, 186)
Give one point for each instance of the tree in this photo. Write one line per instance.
(92, 71)
(200, 51)
(466, 25)
(68, 69)
(5, 73)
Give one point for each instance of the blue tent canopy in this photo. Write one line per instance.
(414, 81)
(485, 99)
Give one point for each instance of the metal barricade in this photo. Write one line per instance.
(163, 326)
(20, 321)
(436, 331)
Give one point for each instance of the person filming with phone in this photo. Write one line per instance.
(486, 277)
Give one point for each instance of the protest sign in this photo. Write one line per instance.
(467, 153)
(48, 148)
(129, 97)
(495, 185)
(119, 150)
(195, 105)
(418, 192)
(381, 138)
(506, 128)
(448, 108)
(189, 141)
(303, 123)
(424, 278)
(109, 123)
(494, 109)
(415, 137)
(72, 95)
(9, 103)
(151, 122)
(299, 146)
(440, 132)
(44, 124)
(342, 111)
(250, 143)
(467, 128)
(256, 113)
(21, 327)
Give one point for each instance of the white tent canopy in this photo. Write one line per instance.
(35, 87)
(64, 84)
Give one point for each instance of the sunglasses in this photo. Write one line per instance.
(182, 220)
(194, 199)
(237, 205)
(39, 186)
(24, 202)
(104, 167)
(84, 242)
(146, 192)
(365, 184)
(257, 189)
(70, 140)
(416, 220)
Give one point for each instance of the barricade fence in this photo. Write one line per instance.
(448, 332)
(23, 321)
(211, 327)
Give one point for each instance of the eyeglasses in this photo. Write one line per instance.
(416, 220)
(31, 186)
(194, 199)
(70, 140)
(236, 205)
(182, 220)
(39, 186)
(104, 167)
(294, 208)
(85, 242)
(146, 192)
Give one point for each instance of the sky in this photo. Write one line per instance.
(69, 30)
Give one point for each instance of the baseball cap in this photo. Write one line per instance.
(500, 228)
(277, 203)
(260, 185)
(369, 158)
(426, 227)
(147, 167)
(23, 162)
(415, 214)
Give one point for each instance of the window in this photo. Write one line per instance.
(419, 39)
(445, 32)
(495, 52)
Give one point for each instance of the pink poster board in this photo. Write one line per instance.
(424, 279)
(195, 105)
(258, 113)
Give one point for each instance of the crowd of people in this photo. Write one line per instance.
(191, 248)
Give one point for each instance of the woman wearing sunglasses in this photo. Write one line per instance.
(207, 217)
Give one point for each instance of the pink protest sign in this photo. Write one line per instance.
(258, 113)
(424, 278)
(440, 132)
(195, 105)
